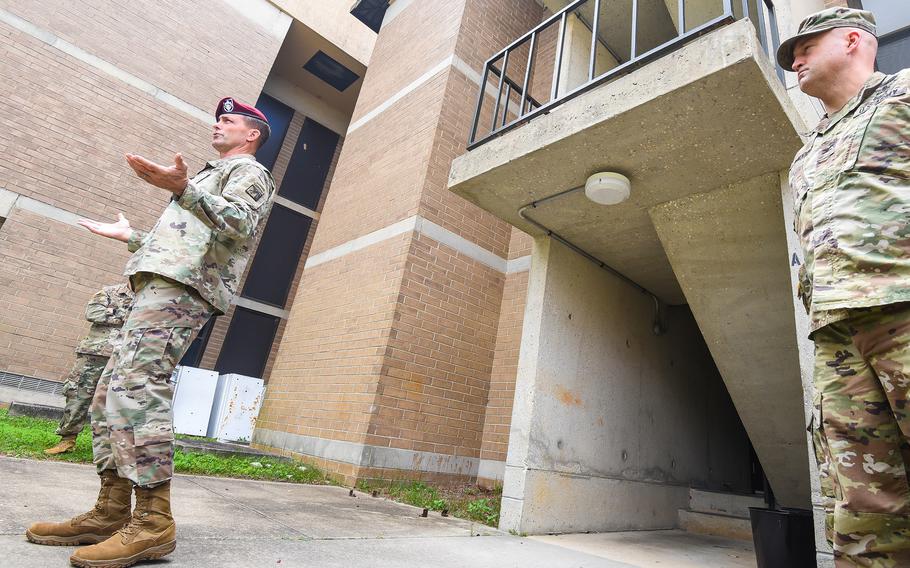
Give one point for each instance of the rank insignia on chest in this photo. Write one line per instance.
(255, 192)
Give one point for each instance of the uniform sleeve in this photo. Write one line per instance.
(96, 311)
(235, 213)
(885, 148)
(136, 240)
(121, 304)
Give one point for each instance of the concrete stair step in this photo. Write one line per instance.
(715, 524)
(730, 504)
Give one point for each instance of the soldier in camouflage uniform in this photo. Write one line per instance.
(107, 310)
(851, 183)
(184, 270)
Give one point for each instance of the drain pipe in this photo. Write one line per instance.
(658, 326)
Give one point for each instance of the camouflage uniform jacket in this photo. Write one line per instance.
(107, 310)
(851, 184)
(203, 238)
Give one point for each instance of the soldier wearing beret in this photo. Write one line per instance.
(106, 311)
(184, 270)
(851, 184)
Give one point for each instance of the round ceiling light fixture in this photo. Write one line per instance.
(608, 188)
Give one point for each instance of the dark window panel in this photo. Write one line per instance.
(247, 343)
(277, 257)
(370, 12)
(332, 72)
(279, 115)
(193, 355)
(309, 166)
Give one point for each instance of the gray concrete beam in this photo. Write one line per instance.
(730, 254)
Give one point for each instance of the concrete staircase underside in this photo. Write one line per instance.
(719, 514)
(729, 252)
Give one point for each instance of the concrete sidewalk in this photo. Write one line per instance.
(230, 522)
(233, 522)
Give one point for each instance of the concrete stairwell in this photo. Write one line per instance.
(719, 514)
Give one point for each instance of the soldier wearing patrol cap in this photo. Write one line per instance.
(183, 271)
(851, 184)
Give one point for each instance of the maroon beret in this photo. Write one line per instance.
(230, 105)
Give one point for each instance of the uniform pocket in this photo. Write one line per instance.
(165, 348)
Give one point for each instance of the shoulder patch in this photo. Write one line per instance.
(255, 192)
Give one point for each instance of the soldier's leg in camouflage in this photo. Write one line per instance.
(882, 336)
(79, 390)
(112, 509)
(872, 496)
(140, 421)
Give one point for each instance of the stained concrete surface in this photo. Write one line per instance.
(227, 522)
(231, 522)
(675, 548)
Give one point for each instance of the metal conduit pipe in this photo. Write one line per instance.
(658, 327)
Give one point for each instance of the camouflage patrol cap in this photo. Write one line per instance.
(821, 22)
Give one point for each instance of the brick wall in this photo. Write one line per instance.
(186, 47)
(394, 345)
(64, 131)
(421, 36)
(498, 411)
(327, 372)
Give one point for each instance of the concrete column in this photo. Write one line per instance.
(611, 423)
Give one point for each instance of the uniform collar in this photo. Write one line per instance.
(213, 163)
(868, 87)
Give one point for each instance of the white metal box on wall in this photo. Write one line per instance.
(236, 407)
(194, 391)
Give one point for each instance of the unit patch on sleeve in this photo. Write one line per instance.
(255, 192)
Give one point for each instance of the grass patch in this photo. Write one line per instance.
(27, 437)
(466, 502)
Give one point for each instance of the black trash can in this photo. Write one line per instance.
(784, 538)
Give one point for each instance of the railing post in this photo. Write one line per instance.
(480, 94)
(745, 8)
(559, 45)
(594, 26)
(633, 51)
(682, 16)
(524, 86)
(505, 108)
(502, 77)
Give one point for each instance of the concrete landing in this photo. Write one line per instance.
(675, 548)
(229, 522)
(9, 394)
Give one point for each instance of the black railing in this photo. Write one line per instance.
(535, 72)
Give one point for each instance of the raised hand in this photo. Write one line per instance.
(172, 178)
(120, 230)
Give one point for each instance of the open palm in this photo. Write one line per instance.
(119, 230)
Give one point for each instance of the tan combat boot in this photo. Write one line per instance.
(111, 512)
(65, 444)
(150, 534)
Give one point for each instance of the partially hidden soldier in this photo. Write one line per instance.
(851, 184)
(183, 271)
(106, 311)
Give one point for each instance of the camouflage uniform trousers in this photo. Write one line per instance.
(132, 417)
(861, 429)
(79, 389)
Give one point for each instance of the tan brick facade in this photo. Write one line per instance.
(67, 125)
(391, 351)
(408, 345)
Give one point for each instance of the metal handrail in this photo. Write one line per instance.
(528, 107)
